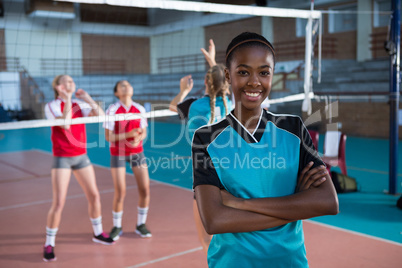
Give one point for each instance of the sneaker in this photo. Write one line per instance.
(103, 238)
(48, 253)
(143, 231)
(115, 233)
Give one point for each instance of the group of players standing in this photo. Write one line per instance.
(253, 213)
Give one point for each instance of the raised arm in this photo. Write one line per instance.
(210, 54)
(96, 109)
(186, 85)
(67, 111)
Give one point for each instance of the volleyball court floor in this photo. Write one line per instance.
(366, 233)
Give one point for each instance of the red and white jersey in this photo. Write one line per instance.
(125, 147)
(68, 142)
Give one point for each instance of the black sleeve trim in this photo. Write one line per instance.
(183, 107)
(203, 168)
(307, 151)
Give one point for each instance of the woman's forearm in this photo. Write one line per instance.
(310, 203)
(113, 137)
(96, 109)
(230, 220)
(176, 100)
(143, 134)
(67, 113)
(218, 218)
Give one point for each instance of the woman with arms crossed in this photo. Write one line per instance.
(256, 174)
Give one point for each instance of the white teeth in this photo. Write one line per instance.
(252, 94)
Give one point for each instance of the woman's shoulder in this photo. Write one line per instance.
(288, 122)
(55, 101)
(227, 98)
(113, 108)
(138, 106)
(276, 117)
(202, 100)
(200, 105)
(207, 133)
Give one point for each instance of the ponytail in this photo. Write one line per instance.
(217, 86)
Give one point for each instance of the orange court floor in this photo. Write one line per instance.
(26, 195)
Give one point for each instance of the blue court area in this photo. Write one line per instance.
(370, 211)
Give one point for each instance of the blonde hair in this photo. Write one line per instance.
(55, 83)
(217, 86)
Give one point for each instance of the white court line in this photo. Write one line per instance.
(354, 232)
(372, 170)
(50, 200)
(80, 195)
(165, 258)
(68, 198)
(183, 188)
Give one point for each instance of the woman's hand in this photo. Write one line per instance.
(186, 84)
(137, 135)
(210, 54)
(311, 177)
(63, 93)
(83, 95)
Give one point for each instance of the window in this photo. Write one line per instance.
(301, 27)
(381, 20)
(343, 19)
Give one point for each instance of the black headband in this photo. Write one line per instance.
(249, 40)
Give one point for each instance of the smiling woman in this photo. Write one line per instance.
(250, 63)
(255, 210)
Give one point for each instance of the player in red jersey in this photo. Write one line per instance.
(70, 155)
(125, 139)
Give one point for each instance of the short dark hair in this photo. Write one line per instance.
(247, 39)
(117, 84)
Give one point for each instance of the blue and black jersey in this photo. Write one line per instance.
(183, 108)
(200, 112)
(265, 163)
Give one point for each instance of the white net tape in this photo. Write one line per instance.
(295, 97)
(207, 7)
(83, 120)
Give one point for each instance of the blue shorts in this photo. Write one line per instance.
(134, 160)
(74, 162)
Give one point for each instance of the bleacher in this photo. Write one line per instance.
(153, 88)
(350, 76)
(338, 76)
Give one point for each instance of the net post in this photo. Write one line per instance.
(394, 96)
(307, 67)
(319, 49)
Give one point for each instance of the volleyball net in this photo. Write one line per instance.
(152, 44)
